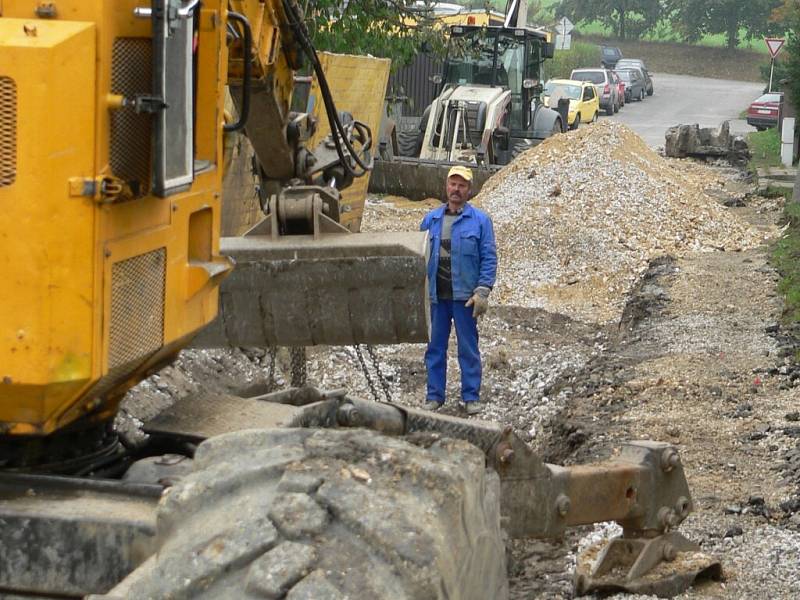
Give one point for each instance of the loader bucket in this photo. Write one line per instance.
(338, 289)
(417, 179)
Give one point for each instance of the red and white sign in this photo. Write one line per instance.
(774, 45)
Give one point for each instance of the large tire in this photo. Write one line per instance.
(409, 143)
(307, 514)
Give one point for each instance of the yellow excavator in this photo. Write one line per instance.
(112, 137)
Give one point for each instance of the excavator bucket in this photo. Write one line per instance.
(417, 179)
(663, 566)
(331, 289)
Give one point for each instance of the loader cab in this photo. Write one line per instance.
(508, 58)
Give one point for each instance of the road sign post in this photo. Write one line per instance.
(774, 46)
(564, 26)
(563, 42)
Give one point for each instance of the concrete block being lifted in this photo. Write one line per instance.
(341, 289)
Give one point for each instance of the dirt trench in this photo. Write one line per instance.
(700, 360)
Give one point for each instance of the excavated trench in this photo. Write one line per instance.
(543, 568)
(698, 358)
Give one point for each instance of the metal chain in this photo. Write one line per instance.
(373, 355)
(272, 351)
(384, 383)
(367, 376)
(299, 371)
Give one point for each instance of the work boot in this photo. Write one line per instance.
(473, 408)
(432, 405)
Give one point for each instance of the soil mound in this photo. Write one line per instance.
(579, 217)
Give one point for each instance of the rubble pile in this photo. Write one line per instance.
(579, 218)
(706, 143)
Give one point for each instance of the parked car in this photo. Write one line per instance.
(626, 63)
(584, 104)
(604, 85)
(634, 84)
(763, 112)
(609, 56)
(620, 88)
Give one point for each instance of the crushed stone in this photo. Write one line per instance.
(579, 218)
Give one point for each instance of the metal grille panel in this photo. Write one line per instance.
(8, 131)
(137, 307)
(131, 76)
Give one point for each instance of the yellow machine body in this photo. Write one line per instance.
(99, 283)
(112, 126)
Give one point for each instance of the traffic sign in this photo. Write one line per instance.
(563, 42)
(774, 45)
(564, 26)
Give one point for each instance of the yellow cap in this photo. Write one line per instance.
(461, 171)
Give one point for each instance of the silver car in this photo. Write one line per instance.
(607, 90)
(635, 63)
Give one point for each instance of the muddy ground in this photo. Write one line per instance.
(700, 359)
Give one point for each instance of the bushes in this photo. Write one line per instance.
(580, 55)
(786, 259)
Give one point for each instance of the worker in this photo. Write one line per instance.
(461, 274)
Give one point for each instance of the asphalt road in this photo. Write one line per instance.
(680, 99)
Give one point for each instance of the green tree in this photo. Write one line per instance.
(629, 19)
(786, 18)
(734, 18)
(396, 29)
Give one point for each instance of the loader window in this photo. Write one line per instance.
(173, 38)
(512, 58)
(470, 59)
(485, 57)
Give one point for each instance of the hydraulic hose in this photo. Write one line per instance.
(337, 129)
(247, 49)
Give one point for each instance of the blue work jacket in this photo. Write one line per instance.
(473, 256)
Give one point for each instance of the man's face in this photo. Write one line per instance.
(457, 189)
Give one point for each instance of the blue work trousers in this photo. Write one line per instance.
(443, 313)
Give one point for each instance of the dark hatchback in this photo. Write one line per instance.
(609, 56)
(630, 63)
(635, 87)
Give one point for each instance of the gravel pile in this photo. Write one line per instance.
(579, 217)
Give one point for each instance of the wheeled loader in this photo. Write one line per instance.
(111, 156)
(488, 110)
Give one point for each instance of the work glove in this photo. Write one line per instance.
(479, 301)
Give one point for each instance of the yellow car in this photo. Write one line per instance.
(584, 105)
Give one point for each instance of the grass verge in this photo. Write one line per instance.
(686, 59)
(581, 54)
(765, 148)
(786, 260)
